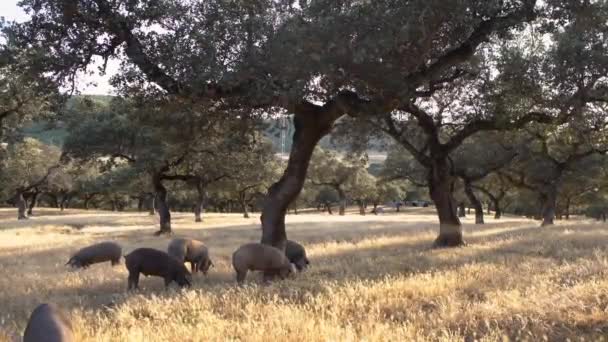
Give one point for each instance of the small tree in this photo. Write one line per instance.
(330, 170)
(29, 165)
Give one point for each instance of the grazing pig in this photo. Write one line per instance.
(100, 252)
(48, 323)
(192, 251)
(260, 257)
(296, 255)
(148, 261)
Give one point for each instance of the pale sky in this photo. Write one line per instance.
(11, 12)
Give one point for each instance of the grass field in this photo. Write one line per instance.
(373, 278)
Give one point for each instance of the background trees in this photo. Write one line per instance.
(430, 75)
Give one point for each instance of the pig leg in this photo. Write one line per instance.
(193, 267)
(269, 276)
(133, 280)
(240, 276)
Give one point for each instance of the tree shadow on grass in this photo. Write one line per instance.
(396, 256)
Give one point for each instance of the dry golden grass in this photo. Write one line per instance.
(373, 278)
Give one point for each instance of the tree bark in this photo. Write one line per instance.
(461, 210)
(342, 199)
(441, 182)
(311, 123)
(21, 205)
(567, 208)
(33, 203)
(140, 203)
(63, 201)
(162, 206)
(152, 204)
(54, 200)
(497, 210)
(199, 206)
(244, 208)
(87, 200)
(361, 208)
(549, 200)
(468, 189)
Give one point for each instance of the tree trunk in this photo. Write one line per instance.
(361, 208)
(328, 207)
(63, 201)
(162, 206)
(468, 189)
(461, 210)
(440, 183)
(152, 204)
(33, 202)
(342, 199)
(398, 207)
(468, 210)
(199, 206)
(497, 210)
(21, 205)
(311, 123)
(140, 203)
(489, 212)
(549, 200)
(567, 208)
(244, 208)
(375, 209)
(54, 200)
(87, 199)
(113, 204)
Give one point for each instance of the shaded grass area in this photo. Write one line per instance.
(372, 278)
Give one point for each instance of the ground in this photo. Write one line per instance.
(373, 278)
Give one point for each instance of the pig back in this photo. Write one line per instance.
(47, 323)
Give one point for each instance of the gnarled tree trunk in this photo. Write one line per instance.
(311, 123)
(151, 204)
(63, 202)
(87, 199)
(33, 202)
(440, 181)
(21, 205)
(468, 189)
(199, 206)
(342, 201)
(462, 210)
(549, 201)
(162, 206)
(244, 208)
(361, 208)
(497, 210)
(140, 203)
